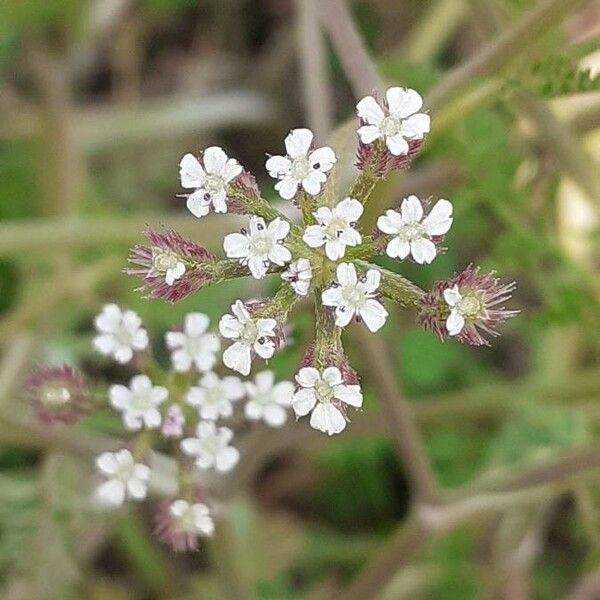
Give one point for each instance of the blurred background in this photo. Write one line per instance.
(99, 99)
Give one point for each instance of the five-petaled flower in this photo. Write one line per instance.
(139, 402)
(180, 523)
(353, 296)
(214, 397)
(208, 179)
(250, 336)
(193, 346)
(211, 447)
(299, 275)
(399, 122)
(168, 265)
(124, 478)
(302, 167)
(260, 246)
(120, 333)
(336, 228)
(412, 233)
(267, 400)
(326, 395)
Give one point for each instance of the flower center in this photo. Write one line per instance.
(300, 167)
(390, 125)
(185, 522)
(193, 345)
(469, 306)
(323, 391)
(213, 183)
(124, 337)
(162, 261)
(261, 245)
(56, 395)
(336, 227)
(262, 398)
(140, 401)
(124, 473)
(353, 296)
(211, 444)
(249, 333)
(411, 232)
(214, 395)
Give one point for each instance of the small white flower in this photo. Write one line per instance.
(412, 233)
(352, 296)
(214, 397)
(401, 122)
(250, 335)
(192, 519)
(335, 228)
(209, 180)
(193, 346)
(211, 447)
(119, 333)
(299, 275)
(139, 402)
(460, 307)
(300, 167)
(260, 246)
(173, 422)
(168, 265)
(325, 394)
(268, 401)
(124, 478)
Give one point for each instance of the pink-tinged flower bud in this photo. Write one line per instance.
(172, 267)
(58, 395)
(180, 523)
(378, 158)
(466, 305)
(173, 422)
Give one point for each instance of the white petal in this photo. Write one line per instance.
(398, 248)
(323, 215)
(455, 322)
(452, 296)
(333, 376)
(278, 229)
(111, 493)
(152, 418)
(105, 343)
(280, 255)
(197, 204)
(120, 396)
(390, 223)
(349, 209)
(226, 459)
(332, 296)
(266, 327)
(412, 210)
(240, 311)
(403, 102)
(312, 183)
(303, 402)
(214, 160)
(307, 377)
(369, 133)
(298, 142)
(264, 350)
(370, 111)
(283, 393)
(237, 357)
(191, 172)
(350, 237)
(287, 187)
(278, 166)
(335, 249)
(314, 236)
(140, 384)
(137, 489)
(109, 320)
(258, 266)
(343, 315)
(346, 274)
(349, 394)
(123, 354)
(373, 314)
(328, 419)
(107, 463)
(191, 446)
(196, 324)
(371, 281)
(253, 410)
(257, 226)
(324, 157)
(423, 250)
(218, 201)
(236, 245)
(232, 170)
(275, 415)
(416, 126)
(396, 144)
(230, 327)
(439, 220)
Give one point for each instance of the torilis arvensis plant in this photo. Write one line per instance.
(325, 257)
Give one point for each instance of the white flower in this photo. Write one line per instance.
(124, 478)
(299, 275)
(193, 346)
(460, 307)
(211, 447)
(401, 122)
(352, 296)
(214, 397)
(173, 422)
(139, 402)
(412, 233)
(260, 246)
(209, 180)
(249, 335)
(120, 333)
(193, 519)
(268, 401)
(300, 167)
(335, 228)
(325, 394)
(168, 265)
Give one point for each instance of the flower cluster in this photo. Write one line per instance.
(326, 255)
